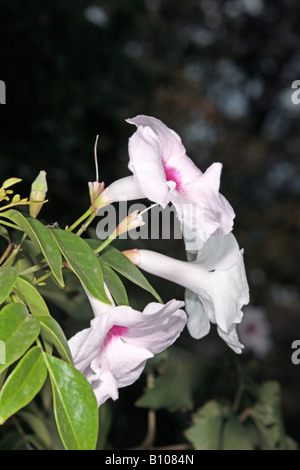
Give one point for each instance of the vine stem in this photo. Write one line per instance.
(5, 254)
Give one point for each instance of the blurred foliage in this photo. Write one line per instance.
(220, 74)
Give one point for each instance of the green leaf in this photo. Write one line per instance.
(114, 284)
(236, 436)
(116, 260)
(54, 335)
(4, 233)
(27, 292)
(8, 277)
(83, 261)
(181, 372)
(75, 405)
(18, 330)
(41, 236)
(205, 433)
(23, 384)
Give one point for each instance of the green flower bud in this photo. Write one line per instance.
(39, 189)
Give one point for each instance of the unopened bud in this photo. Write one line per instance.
(39, 189)
(132, 221)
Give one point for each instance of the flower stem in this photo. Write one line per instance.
(81, 219)
(42, 278)
(86, 224)
(104, 244)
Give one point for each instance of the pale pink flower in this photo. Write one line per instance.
(163, 173)
(255, 331)
(215, 282)
(113, 351)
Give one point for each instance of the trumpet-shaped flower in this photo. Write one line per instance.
(163, 173)
(215, 282)
(113, 351)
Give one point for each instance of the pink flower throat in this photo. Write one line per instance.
(114, 333)
(172, 174)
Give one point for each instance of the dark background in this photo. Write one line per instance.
(217, 72)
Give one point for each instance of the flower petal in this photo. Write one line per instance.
(198, 322)
(231, 338)
(120, 364)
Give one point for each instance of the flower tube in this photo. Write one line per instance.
(215, 282)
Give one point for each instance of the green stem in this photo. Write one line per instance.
(15, 251)
(33, 269)
(104, 244)
(42, 278)
(86, 224)
(81, 219)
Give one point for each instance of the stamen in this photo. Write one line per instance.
(96, 158)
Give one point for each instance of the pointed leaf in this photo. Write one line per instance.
(83, 261)
(18, 330)
(8, 277)
(114, 284)
(75, 405)
(39, 234)
(27, 291)
(23, 384)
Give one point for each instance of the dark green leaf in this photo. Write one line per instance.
(83, 261)
(114, 284)
(23, 383)
(41, 236)
(8, 277)
(18, 330)
(75, 405)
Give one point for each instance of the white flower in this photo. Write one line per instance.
(163, 173)
(113, 351)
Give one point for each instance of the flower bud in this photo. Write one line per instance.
(38, 193)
